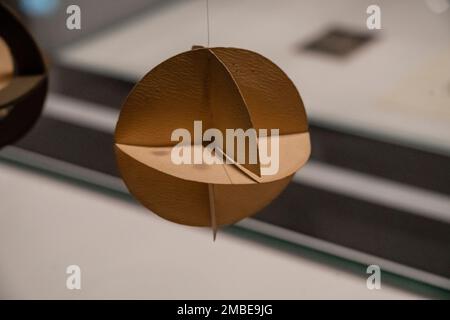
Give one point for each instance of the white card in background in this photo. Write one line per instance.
(426, 92)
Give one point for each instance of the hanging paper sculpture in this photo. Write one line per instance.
(23, 79)
(202, 96)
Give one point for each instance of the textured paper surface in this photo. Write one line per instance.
(225, 88)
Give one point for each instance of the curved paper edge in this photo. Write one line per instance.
(177, 200)
(236, 202)
(23, 116)
(158, 191)
(294, 152)
(229, 108)
(194, 85)
(205, 85)
(272, 98)
(172, 95)
(23, 96)
(18, 88)
(159, 158)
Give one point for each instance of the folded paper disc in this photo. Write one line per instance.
(224, 88)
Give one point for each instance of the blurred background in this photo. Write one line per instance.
(376, 190)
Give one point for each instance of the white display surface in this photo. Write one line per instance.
(368, 92)
(125, 252)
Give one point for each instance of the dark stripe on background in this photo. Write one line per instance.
(406, 165)
(71, 143)
(394, 235)
(398, 163)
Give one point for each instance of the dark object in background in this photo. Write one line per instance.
(23, 79)
(338, 42)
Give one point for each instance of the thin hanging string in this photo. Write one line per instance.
(207, 19)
